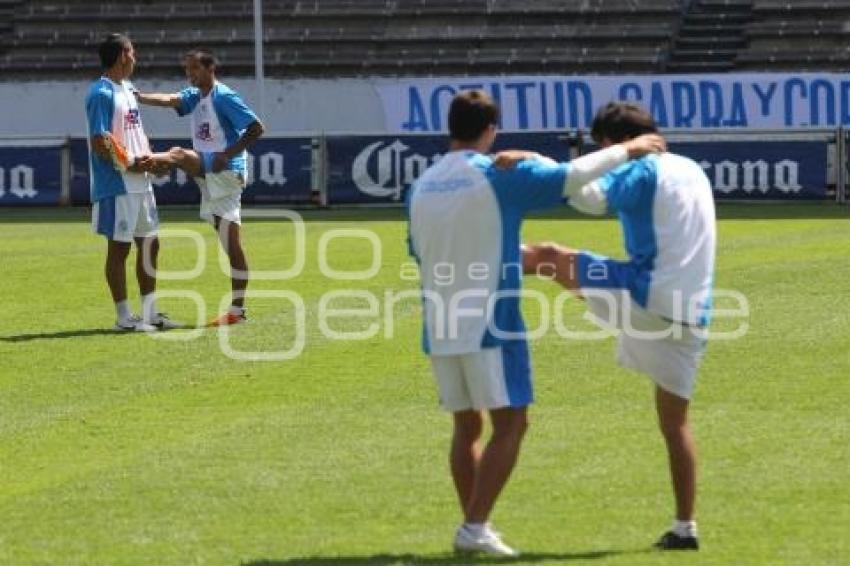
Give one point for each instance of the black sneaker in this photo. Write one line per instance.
(672, 541)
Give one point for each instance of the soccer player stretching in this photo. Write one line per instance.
(123, 204)
(465, 217)
(660, 299)
(222, 128)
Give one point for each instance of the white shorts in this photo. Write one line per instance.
(221, 195)
(491, 378)
(668, 352)
(124, 217)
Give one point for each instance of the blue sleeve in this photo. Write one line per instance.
(625, 186)
(532, 184)
(99, 109)
(235, 111)
(189, 98)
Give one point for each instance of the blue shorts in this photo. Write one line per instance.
(491, 378)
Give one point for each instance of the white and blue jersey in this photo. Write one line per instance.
(465, 218)
(218, 120)
(112, 108)
(666, 207)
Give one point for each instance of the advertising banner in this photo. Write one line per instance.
(31, 175)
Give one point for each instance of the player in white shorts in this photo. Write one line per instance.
(222, 128)
(124, 208)
(660, 299)
(465, 217)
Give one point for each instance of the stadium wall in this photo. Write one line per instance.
(737, 101)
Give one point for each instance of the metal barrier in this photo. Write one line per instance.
(377, 170)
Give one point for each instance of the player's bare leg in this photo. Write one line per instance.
(465, 453)
(177, 157)
(115, 269)
(681, 450)
(552, 261)
(497, 462)
(147, 254)
(230, 238)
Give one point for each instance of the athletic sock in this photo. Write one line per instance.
(122, 310)
(148, 307)
(684, 528)
(476, 529)
(238, 311)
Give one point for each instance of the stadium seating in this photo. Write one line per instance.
(710, 35)
(802, 35)
(349, 37)
(319, 38)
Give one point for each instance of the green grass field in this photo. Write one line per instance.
(125, 449)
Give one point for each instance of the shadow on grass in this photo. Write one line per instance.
(440, 559)
(81, 333)
(63, 334)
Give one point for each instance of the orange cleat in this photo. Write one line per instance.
(228, 319)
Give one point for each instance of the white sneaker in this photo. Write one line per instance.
(162, 322)
(487, 541)
(133, 324)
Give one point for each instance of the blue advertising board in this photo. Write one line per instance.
(379, 169)
(31, 175)
(760, 170)
(769, 170)
(278, 172)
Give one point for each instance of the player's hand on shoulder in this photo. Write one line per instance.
(644, 145)
(510, 157)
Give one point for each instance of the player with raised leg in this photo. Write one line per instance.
(222, 128)
(660, 299)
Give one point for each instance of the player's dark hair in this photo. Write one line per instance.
(471, 112)
(111, 47)
(204, 56)
(619, 121)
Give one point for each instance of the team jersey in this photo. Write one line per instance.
(464, 231)
(112, 107)
(218, 120)
(666, 207)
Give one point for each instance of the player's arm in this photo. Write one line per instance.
(100, 146)
(580, 188)
(251, 134)
(591, 193)
(166, 100)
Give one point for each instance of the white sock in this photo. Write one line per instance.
(684, 528)
(122, 310)
(148, 307)
(475, 528)
(238, 311)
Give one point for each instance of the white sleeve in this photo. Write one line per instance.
(580, 188)
(588, 167)
(589, 199)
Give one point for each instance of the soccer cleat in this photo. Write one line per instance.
(133, 324)
(162, 322)
(228, 319)
(672, 541)
(487, 541)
